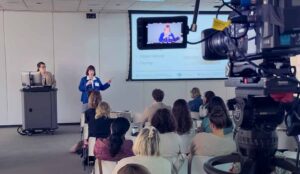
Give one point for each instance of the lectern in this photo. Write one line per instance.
(39, 109)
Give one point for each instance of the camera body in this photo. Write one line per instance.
(276, 35)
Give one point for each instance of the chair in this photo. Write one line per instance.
(82, 120)
(184, 168)
(177, 163)
(186, 141)
(196, 165)
(290, 154)
(202, 111)
(92, 142)
(107, 167)
(195, 115)
(285, 142)
(85, 131)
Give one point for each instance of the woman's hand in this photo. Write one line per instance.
(89, 83)
(109, 81)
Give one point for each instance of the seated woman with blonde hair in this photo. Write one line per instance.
(102, 120)
(94, 100)
(146, 149)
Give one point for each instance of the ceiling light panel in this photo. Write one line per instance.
(13, 5)
(39, 5)
(66, 5)
(94, 5)
(119, 4)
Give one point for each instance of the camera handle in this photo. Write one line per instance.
(210, 168)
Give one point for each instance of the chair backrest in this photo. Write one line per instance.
(195, 115)
(202, 111)
(82, 120)
(92, 142)
(186, 141)
(198, 165)
(184, 168)
(290, 154)
(285, 142)
(85, 131)
(107, 167)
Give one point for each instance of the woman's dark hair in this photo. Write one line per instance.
(218, 117)
(38, 65)
(164, 121)
(182, 116)
(119, 127)
(91, 67)
(217, 101)
(133, 169)
(209, 95)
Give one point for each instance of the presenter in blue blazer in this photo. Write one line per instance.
(90, 83)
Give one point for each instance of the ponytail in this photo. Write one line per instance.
(119, 127)
(116, 142)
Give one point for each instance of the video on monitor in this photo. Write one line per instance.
(162, 33)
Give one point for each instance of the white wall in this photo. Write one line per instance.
(28, 40)
(76, 45)
(68, 43)
(3, 92)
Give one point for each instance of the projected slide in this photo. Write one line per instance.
(173, 64)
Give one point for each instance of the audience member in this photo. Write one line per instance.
(170, 142)
(158, 96)
(133, 169)
(217, 101)
(102, 120)
(196, 101)
(184, 121)
(215, 143)
(115, 147)
(146, 149)
(166, 125)
(93, 101)
(203, 108)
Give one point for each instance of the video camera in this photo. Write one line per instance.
(264, 80)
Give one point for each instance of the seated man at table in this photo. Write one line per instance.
(158, 96)
(215, 143)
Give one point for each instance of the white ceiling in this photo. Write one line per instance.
(104, 5)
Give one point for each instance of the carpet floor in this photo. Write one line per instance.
(40, 153)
